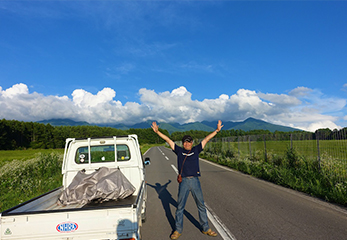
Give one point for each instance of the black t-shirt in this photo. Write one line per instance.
(191, 165)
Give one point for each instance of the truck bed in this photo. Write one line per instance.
(48, 202)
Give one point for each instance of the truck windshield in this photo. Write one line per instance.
(102, 154)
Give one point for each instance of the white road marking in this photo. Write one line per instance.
(219, 225)
(174, 168)
(215, 220)
(164, 154)
(166, 157)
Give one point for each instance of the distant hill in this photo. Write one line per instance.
(247, 125)
(252, 124)
(63, 122)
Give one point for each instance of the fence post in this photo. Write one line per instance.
(265, 148)
(238, 145)
(318, 151)
(250, 150)
(291, 141)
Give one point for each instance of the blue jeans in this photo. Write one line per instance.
(191, 184)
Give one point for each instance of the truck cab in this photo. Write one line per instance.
(90, 154)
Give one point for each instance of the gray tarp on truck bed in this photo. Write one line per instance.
(104, 184)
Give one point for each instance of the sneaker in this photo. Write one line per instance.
(175, 235)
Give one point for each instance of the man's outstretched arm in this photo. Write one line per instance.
(162, 135)
(212, 134)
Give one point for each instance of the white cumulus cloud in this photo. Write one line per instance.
(303, 108)
(16, 89)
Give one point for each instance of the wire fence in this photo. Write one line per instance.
(329, 151)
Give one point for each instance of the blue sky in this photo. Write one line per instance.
(284, 62)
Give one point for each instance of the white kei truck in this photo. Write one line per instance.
(44, 218)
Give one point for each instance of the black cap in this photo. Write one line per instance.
(187, 138)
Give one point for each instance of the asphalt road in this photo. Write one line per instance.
(240, 207)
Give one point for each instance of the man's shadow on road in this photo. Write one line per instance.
(166, 199)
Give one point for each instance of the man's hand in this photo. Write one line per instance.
(219, 125)
(155, 127)
(212, 134)
(163, 136)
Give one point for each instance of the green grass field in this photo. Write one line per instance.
(336, 149)
(10, 155)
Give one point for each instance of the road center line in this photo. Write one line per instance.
(215, 220)
(174, 168)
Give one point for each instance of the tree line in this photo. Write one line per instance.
(23, 135)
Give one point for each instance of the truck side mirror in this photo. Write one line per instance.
(147, 161)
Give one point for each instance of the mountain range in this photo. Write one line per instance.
(246, 125)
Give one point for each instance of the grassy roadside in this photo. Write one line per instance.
(31, 175)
